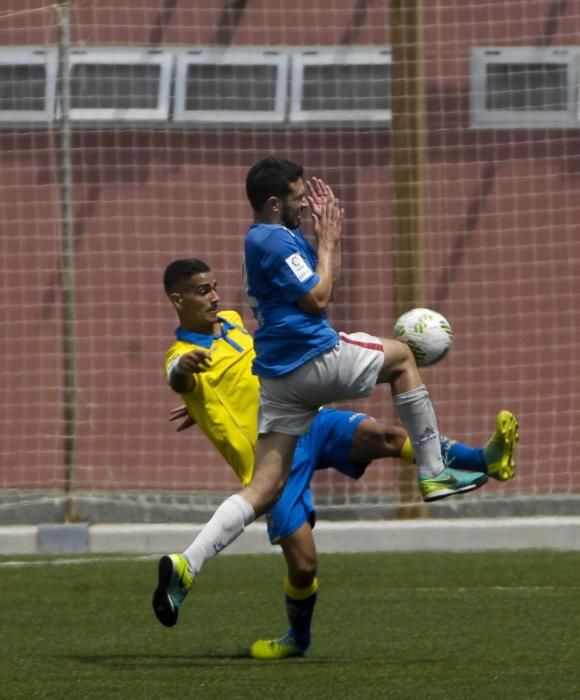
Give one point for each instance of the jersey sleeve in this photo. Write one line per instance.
(290, 266)
(171, 358)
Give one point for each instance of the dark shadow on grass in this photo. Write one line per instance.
(219, 660)
(202, 659)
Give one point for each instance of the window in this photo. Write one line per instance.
(217, 86)
(123, 84)
(27, 86)
(209, 86)
(341, 84)
(523, 87)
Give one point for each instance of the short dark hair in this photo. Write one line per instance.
(179, 272)
(271, 177)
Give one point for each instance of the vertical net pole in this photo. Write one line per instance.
(67, 264)
(408, 141)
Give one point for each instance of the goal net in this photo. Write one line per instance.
(449, 131)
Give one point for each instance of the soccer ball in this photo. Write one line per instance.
(427, 333)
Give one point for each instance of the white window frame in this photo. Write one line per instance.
(480, 117)
(32, 55)
(126, 56)
(255, 56)
(350, 55)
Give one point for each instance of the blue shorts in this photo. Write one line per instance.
(326, 445)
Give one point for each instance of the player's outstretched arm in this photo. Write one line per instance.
(182, 370)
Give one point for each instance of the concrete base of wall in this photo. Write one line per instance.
(466, 535)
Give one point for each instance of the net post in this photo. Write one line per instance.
(408, 141)
(67, 263)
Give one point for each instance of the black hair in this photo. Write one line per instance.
(179, 272)
(271, 177)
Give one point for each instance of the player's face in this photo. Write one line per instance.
(292, 206)
(198, 303)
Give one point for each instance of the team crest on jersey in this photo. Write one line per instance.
(299, 267)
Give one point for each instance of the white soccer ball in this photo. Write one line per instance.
(427, 333)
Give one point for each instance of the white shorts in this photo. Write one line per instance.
(350, 370)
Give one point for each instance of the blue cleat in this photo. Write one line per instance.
(173, 585)
(449, 483)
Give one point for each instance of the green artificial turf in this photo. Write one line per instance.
(414, 626)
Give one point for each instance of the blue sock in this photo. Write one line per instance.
(299, 610)
(461, 456)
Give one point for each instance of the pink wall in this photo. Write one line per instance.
(502, 239)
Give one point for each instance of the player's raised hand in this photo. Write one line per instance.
(318, 192)
(328, 227)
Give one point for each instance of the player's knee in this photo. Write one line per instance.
(399, 358)
(401, 353)
(265, 492)
(303, 573)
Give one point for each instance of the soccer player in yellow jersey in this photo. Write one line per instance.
(222, 400)
(210, 366)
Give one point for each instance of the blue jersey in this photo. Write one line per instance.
(279, 269)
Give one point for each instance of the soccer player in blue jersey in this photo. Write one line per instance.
(301, 360)
(210, 365)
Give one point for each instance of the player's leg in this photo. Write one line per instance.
(373, 440)
(416, 413)
(272, 466)
(290, 524)
(226, 525)
(496, 458)
(177, 571)
(300, 593)
(273, 458)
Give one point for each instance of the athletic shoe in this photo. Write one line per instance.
(498, 452)
(450, 482)
(173, 585)
(274, 649)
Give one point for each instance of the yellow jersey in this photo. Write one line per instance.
(224, 399)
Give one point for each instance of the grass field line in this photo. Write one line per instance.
(79, 561)
(21, 564)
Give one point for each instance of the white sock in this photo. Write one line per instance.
(418, 417)
(226, 524)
